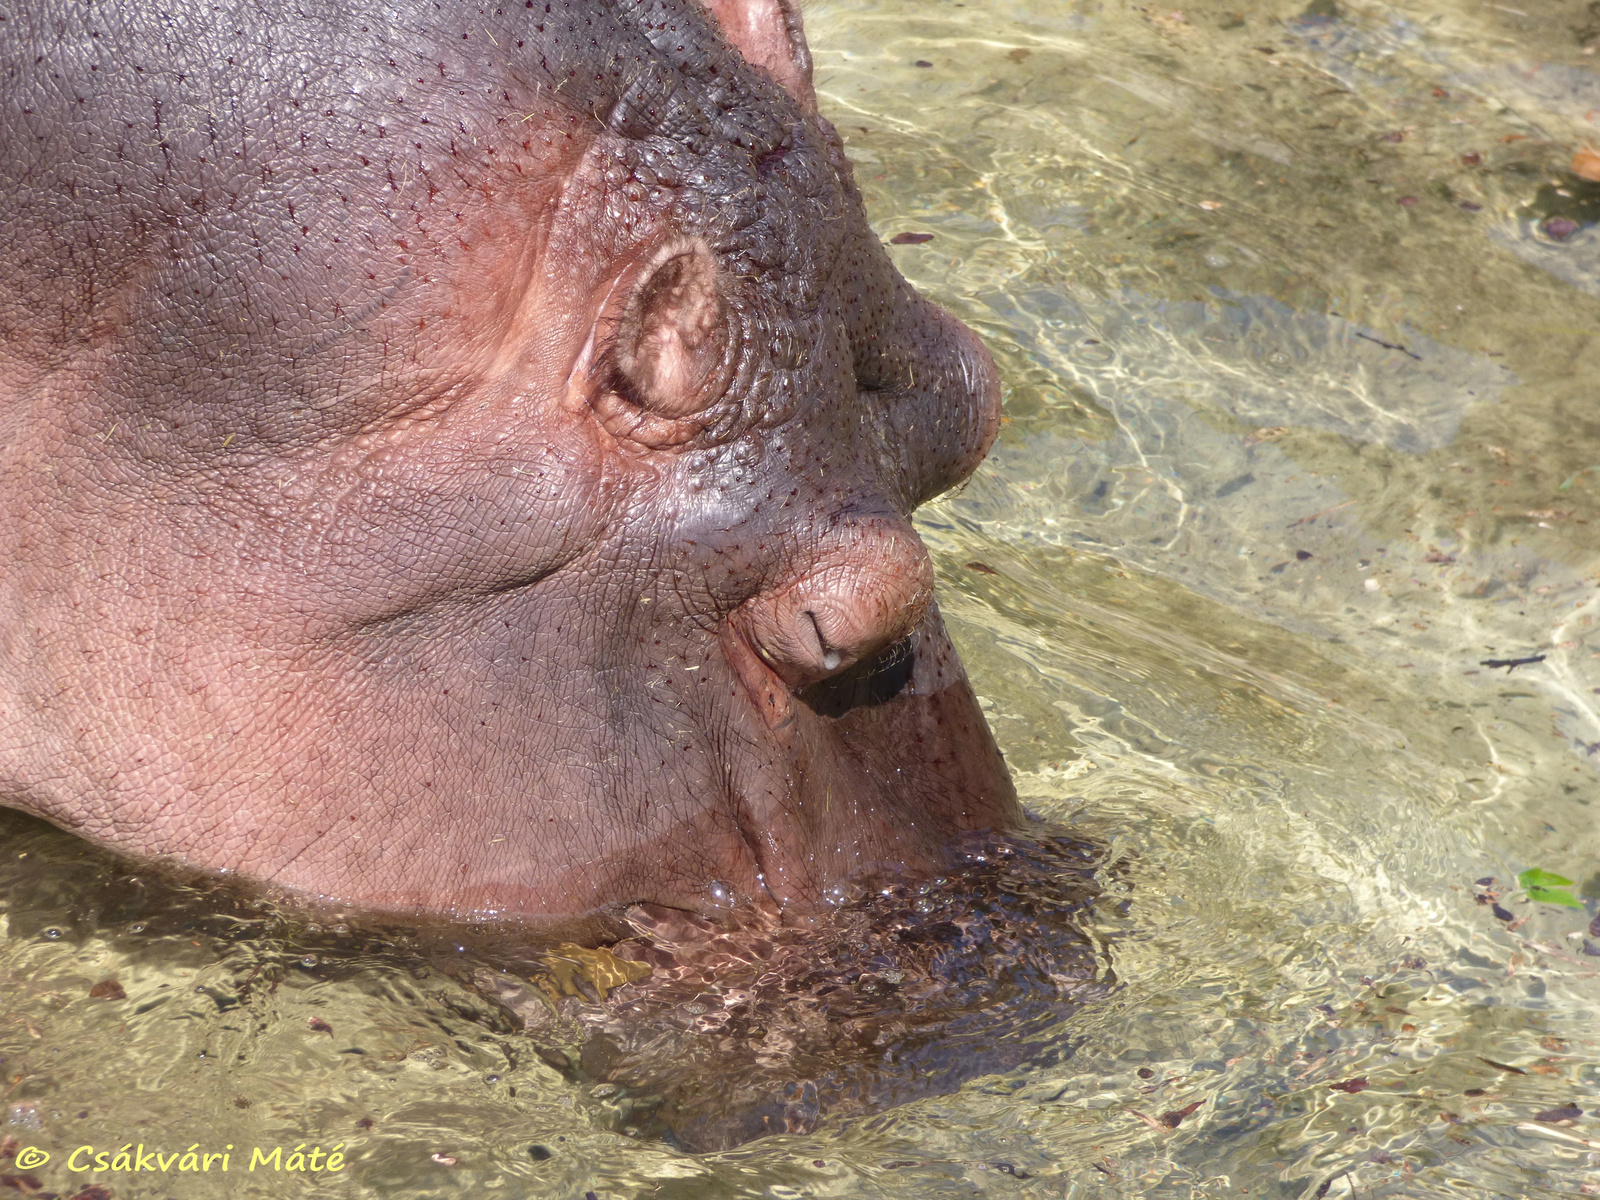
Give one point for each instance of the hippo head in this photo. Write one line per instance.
(459, 459)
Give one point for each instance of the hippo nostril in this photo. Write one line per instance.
(830, 656)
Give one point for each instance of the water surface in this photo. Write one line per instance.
(1301, 432)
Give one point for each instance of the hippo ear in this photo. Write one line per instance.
(768, 34)
(670, 335)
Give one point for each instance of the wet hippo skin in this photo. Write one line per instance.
(458, 459)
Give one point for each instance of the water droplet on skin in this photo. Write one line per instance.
(52, 934)
(719, 893)
(309, 960)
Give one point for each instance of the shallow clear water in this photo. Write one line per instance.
(1301, 431)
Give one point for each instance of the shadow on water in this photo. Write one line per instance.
(749, 1027)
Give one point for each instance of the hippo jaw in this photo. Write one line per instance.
(501, 504)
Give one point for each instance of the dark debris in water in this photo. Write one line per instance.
(1511, 664)
(1175, 1118)
(1500, 1066)
(753, 1026)
(1406, 350)
(1167, 1121)
(1557, 1116)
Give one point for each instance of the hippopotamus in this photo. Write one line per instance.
(458, 460)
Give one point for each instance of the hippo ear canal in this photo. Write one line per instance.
(768, 34)
(671, 337)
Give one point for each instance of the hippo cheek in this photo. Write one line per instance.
(876, 769)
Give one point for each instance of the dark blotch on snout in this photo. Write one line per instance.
(460, 460)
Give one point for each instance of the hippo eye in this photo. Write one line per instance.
(670, 339)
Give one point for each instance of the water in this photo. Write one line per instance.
(1300, 434)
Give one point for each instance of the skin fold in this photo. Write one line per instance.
(458, 459)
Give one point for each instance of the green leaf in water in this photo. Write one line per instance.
(1553, 896)
(1533, 877)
